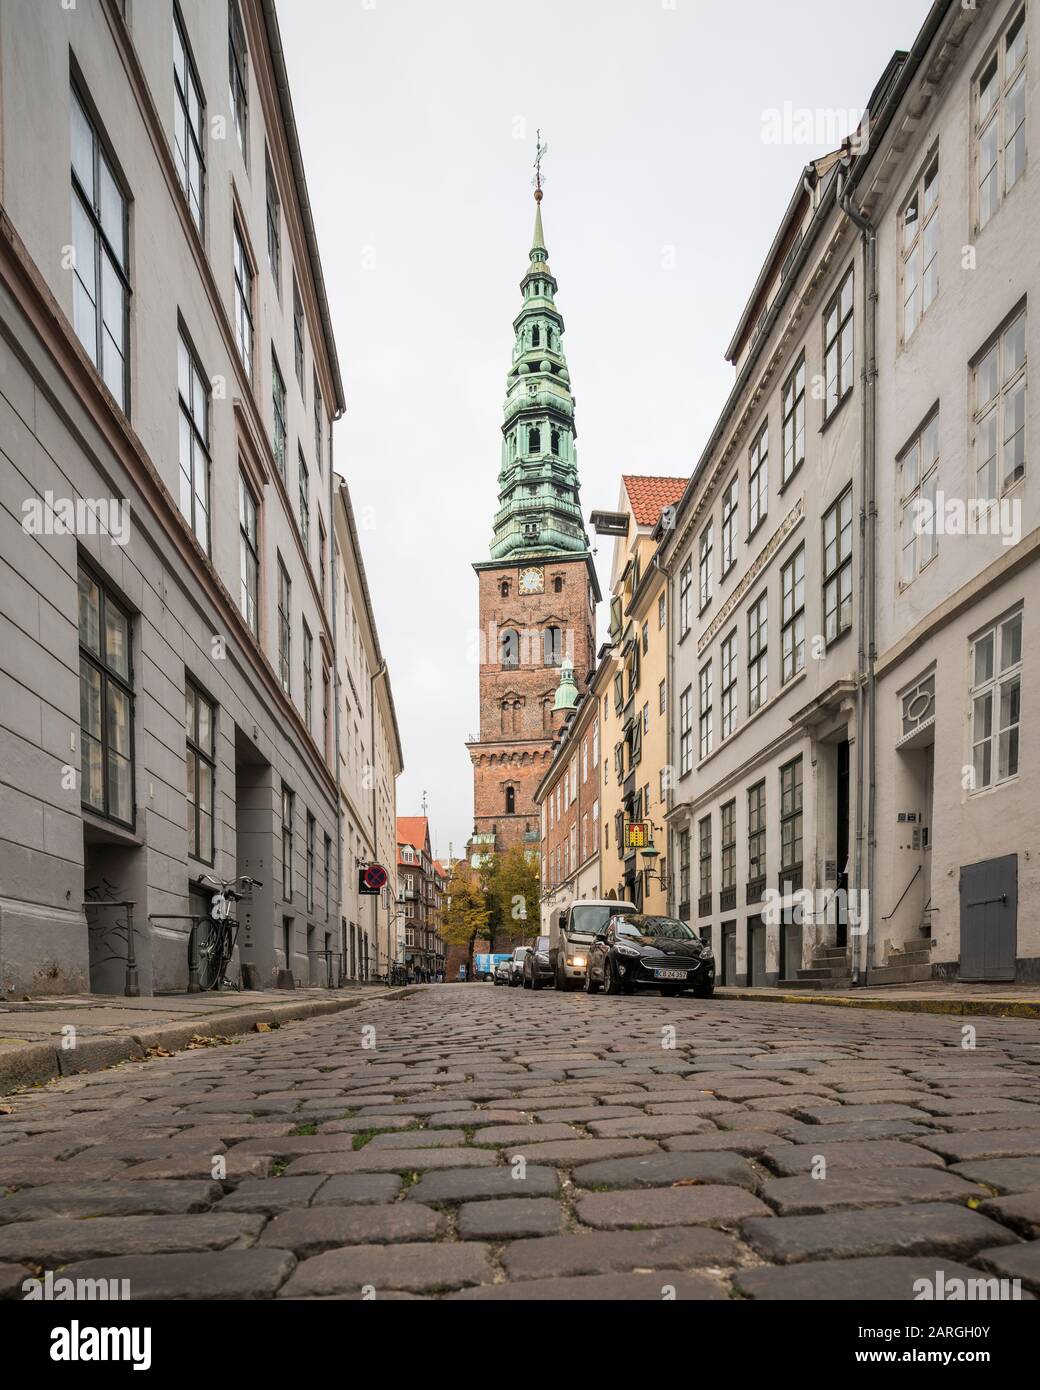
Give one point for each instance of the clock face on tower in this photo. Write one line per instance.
(532, 581)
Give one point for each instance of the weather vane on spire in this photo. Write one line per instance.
(540, 152)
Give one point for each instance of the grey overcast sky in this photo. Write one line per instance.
(417, 120)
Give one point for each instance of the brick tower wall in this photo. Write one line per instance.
(515, 746)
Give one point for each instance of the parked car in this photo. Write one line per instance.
(516, 965)
(537, 968)
(642, 952)
(571, 934)
(503, 970)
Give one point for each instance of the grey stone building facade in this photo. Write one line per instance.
(168, 380)
(852, 569)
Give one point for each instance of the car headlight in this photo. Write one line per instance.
(707, 952)
(624, 950)
(578, 961)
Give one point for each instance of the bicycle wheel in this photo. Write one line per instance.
(210, 937)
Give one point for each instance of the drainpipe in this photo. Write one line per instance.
(666, 570)
(373, 677)
(865, 682)
(336, 693)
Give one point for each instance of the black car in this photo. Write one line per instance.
(642, 952)
(537, 970)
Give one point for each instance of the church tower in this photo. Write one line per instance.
(538, 591)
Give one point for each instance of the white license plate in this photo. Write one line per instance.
(669, 974)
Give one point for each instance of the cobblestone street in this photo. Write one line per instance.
(480, 1143)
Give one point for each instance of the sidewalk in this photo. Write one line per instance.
(36, 1046)
(931, 997)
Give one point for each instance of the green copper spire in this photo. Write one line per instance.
(539, 511)
(567, 691)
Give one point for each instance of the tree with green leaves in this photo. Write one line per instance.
(463, 917)
(513, 887)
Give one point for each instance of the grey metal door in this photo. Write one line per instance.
(729, 953)
(756, 947)
(989, 919)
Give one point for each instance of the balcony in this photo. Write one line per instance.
(704, 905)
(755, 889)
(728, 899)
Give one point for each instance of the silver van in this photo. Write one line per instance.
(572, 931)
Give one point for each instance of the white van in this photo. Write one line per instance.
(572, 931)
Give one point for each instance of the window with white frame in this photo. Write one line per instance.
(730, 520)
(793, 403)
(792, 616)
(837, 567)
(918, 478)
(248, 555)
(705, 710)
(758, 479)
(705, 563)
(996, 703)
(920, 249)
(685, 584)
(838, 345)
(1000, 413)
(729, 684)
(685, 731)
(189, 124)
(238, 75)
(758, 644)
(243, 300)
(1000, 121)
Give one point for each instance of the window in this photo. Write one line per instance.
(1000, 413)
(685, 584)
(646, 718)
(791, 816)
(758, 642)
(193, 442)
(288, 806)
(660, 610)
(792, 616)
(685, 731)
(509, 649)
(837, 567)
(308, 676)
(248, 556)
(310, 862)
(238, 75)
(705, 563)
(838, 347)
(534, 441)
(305, 506)
(319, 425)
(705, 712)
(189, 124)
(106, 703)
(918, 477)
(758, 479)
(684, 866)
(552, 645)
(729, 845)
(322, 549)
(704, 849)
(328, 875)
(280, 436)
(1000, 121)
(793, 399)
(243, 302)
(756, 799)
(201, 765)
(729, 684)
(326, 705)
(662, 697)
(274, 228)
(920, 249)
(297, 324)
(646, 638)
(730, 519)
(554, 442)
(284, 627)
(100, 236)
(996, 700)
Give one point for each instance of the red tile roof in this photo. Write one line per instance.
(412, 830)
(650, 496)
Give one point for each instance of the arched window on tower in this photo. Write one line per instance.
(552, 640)
(536, 336)
(554, 442)
(518, 716)
(548, 338)
(503, 588)
(547, 704)
(510, 801)
(558, 584)
(509, 648)
(534, 441)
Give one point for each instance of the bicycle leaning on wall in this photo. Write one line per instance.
(213, 938)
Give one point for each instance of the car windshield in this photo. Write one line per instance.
(542, 944)
(654, 929)
(593, 918)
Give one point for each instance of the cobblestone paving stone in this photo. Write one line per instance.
(474, 1143)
